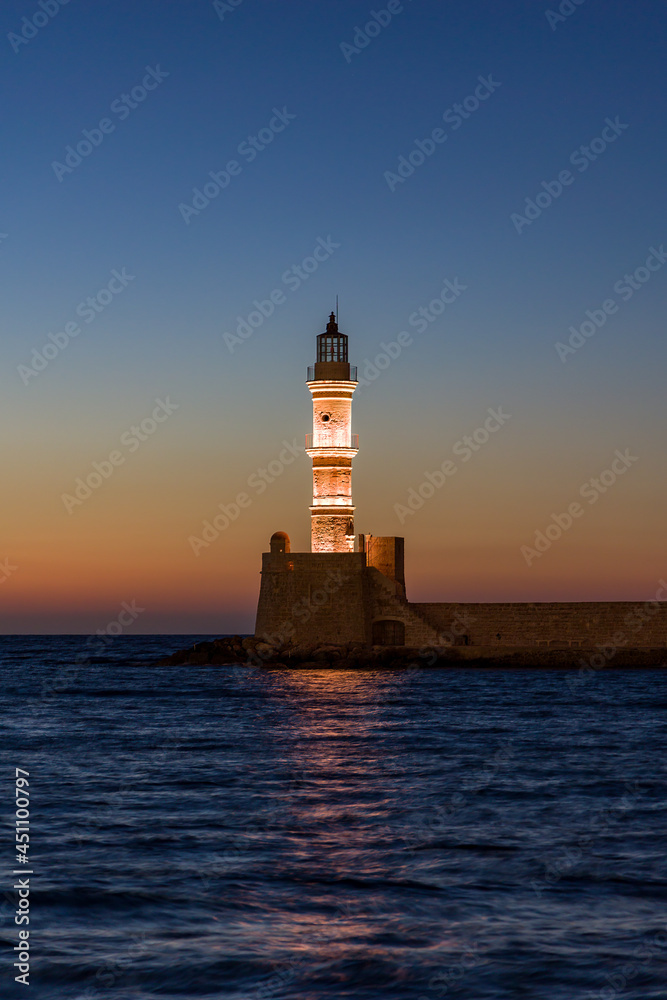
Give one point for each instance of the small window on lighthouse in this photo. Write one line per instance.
(326, 417)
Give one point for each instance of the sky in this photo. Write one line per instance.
(187, 187)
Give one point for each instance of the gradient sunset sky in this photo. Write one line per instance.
(347, 108)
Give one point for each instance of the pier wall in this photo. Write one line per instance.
(311, 598)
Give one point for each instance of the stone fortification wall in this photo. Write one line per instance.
(556, 624)
(386, 604)
(313, 597)
(386, 554)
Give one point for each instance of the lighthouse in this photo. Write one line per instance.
(332, 446)
(333, 595)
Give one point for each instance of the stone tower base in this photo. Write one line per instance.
(313, 597)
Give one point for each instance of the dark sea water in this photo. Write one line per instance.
(204, 832)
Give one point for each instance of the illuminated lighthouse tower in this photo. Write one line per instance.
(332, 446)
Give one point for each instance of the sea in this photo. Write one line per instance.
(200, 832)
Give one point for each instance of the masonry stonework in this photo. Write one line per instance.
(330, 597)
(308, 598)
(331, 445)
(336, 595)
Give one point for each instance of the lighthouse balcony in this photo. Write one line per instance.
(352, 442)
(328, 370)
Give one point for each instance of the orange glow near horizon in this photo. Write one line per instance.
(132, 537)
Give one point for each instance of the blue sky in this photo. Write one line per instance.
(322, 177)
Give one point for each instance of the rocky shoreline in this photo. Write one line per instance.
(250, 651)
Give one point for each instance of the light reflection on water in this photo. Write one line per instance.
(213, 832)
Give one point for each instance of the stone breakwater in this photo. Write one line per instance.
(253, 652)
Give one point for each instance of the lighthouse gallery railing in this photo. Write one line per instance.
(354, 443)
